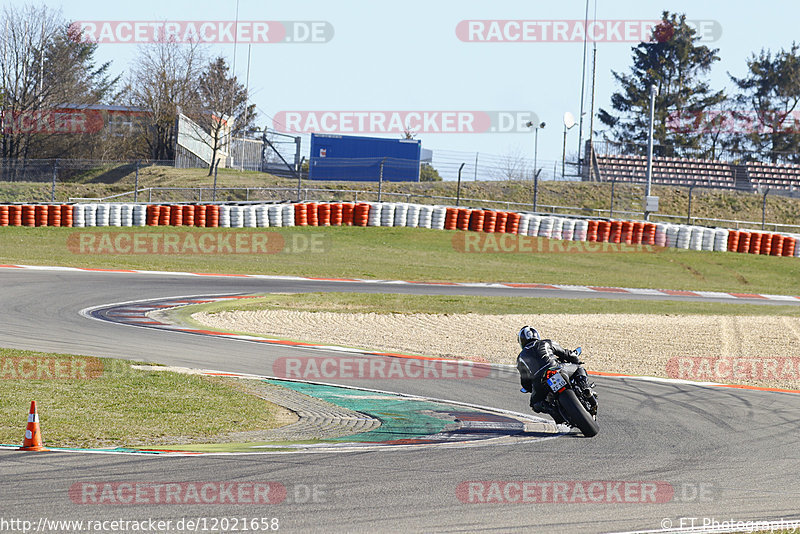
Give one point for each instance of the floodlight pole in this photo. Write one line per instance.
(535, 127)
(649, 174)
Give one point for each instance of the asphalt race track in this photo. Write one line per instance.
(728, 454)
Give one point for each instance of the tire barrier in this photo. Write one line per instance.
(249, 217)
(401, 215)
(581, 230)
(755, 243)
(164, 216)
(387, 214)
(568, 230)
(425, 217)
(301, 214)
(40, 215)
(524, 223)
(312, 216)
(733, 240)
(450, 219)
(200, 215)
(323, 214)
(348, 214)
(337, 214)
(374, 214)
(53, 216)
(462, 219)
(153, 215)
(361, 214)
(224, 216)
(489, 221)
(533, 225)
(788, 246)
(212, 216)
(438, 217)
(591, 231)
(15, 215)
(624, 232)
(500, 222)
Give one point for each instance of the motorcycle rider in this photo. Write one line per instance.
(536, 356)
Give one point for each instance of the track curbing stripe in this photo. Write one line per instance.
(563, 287)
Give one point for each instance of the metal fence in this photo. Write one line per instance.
(38, 179)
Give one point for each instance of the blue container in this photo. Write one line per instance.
(358, 159)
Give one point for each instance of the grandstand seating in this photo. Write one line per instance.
(701, 172)
(667, 171)
(774, 175)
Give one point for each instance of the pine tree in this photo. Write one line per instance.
(677, 65)
(767, 103)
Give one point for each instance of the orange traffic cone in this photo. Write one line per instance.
(33, 434)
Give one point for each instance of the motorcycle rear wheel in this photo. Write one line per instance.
(577, 414)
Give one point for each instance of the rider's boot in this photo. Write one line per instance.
(550, 409)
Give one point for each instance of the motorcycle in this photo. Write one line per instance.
(576, 405)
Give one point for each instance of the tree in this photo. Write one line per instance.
(43, 68)
(164, 80)
(428, 174)
(677, 66)
(768, 101)
(513, 166)
(223, 110)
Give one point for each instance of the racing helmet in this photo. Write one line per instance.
(527, 336)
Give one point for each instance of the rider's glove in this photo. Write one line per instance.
(523, 390)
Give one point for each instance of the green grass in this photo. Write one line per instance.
(419, 254)
(409, 304)
(101, 402)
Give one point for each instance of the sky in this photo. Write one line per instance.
(377, 57)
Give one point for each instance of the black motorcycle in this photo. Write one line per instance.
(576, 405)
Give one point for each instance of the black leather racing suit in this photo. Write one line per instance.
(532, 363)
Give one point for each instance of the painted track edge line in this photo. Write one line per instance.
(511, 285)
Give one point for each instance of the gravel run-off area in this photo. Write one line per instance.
(758, 351)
